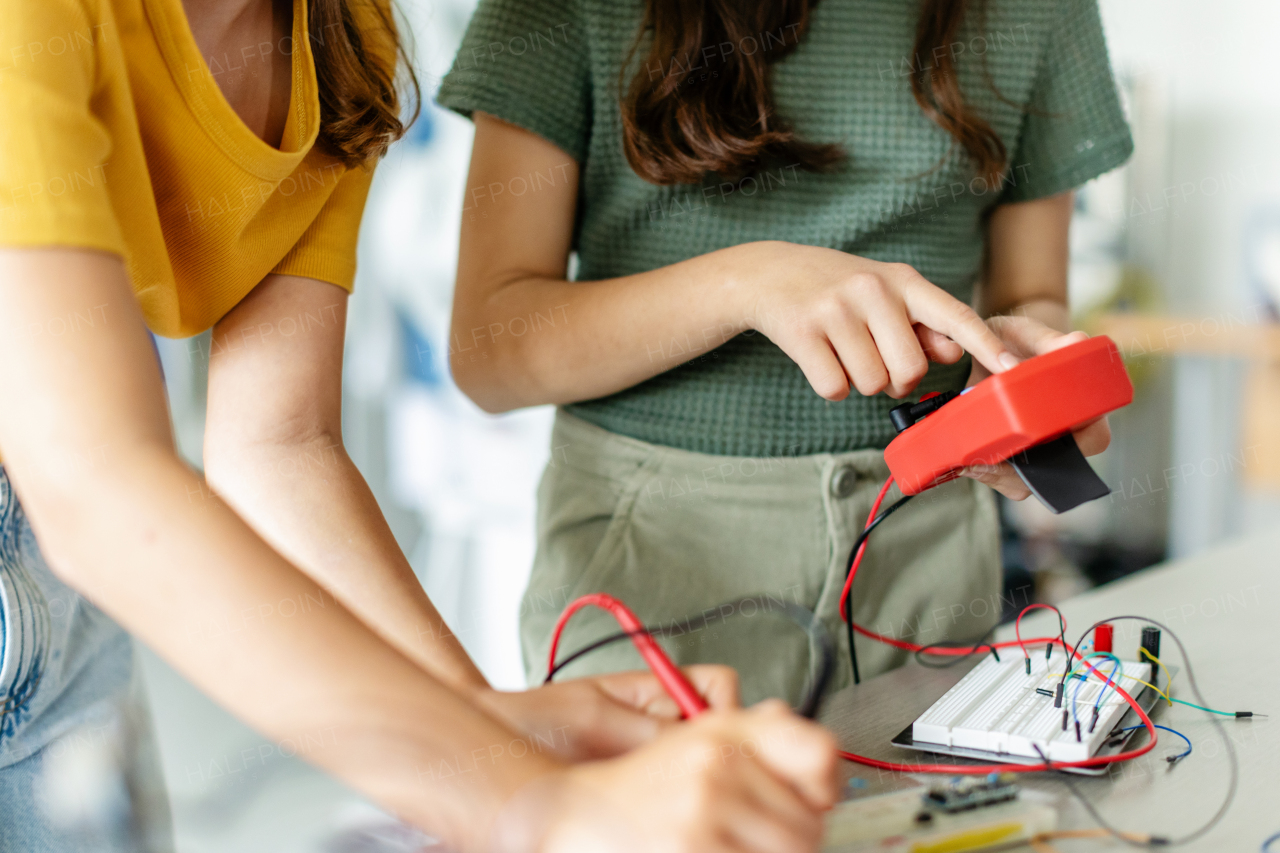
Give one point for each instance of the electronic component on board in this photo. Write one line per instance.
(990, 815)
(971, 792)
(1150, 642)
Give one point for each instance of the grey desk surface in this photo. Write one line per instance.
(1224, 605)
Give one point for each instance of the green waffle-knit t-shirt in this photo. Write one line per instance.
(906, 193)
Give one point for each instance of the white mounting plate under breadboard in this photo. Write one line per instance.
(995, 714)
(888, 823)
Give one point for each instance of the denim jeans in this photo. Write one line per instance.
(78, 764)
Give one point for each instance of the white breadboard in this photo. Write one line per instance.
(996, 708)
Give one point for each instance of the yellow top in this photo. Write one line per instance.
(115, 136)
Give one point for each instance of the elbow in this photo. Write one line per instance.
(56, 511)
(481, 380)
(73, 509)
(492, 405)
(235, 457)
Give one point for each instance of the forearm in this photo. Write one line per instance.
(142, 538)
(1053, 313)
(537, 340)
(1028, 255)
(522, 335)
(308, 500)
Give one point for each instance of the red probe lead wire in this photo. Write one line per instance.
(902, 644)
(857, 558)
(668, 674)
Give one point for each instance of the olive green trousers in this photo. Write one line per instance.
(673, 533)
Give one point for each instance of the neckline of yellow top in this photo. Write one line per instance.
(215, 114)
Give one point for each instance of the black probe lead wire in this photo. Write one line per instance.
(1152, 840)
(853, 555)
(802, 616)
(1155, 840)
(599, 644)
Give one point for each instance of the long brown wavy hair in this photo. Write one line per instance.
(358, 56)
(678, 127)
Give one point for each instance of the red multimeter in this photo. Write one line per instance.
(1024, 415)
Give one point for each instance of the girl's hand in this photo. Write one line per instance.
(604, 716)
(730, 780)
(1027, 337)
(849, 321)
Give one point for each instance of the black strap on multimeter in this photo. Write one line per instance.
(1057, 473)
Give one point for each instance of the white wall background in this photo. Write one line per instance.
(1212, 62)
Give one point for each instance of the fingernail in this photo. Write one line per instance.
(1008, 360)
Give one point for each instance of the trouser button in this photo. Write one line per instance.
(844, 481)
